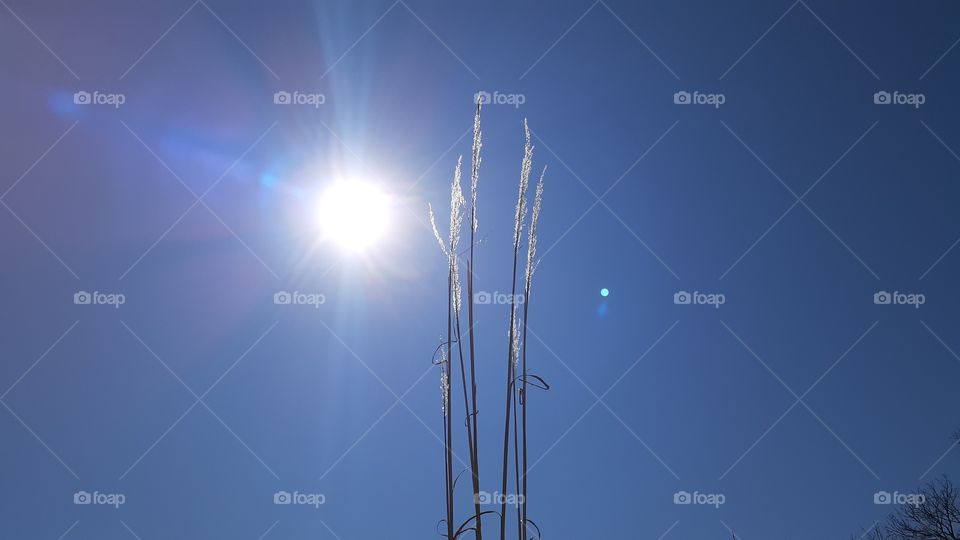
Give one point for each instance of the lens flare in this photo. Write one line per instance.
(354, 214)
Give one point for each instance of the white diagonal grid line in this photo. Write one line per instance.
(66, 532)
(940, 340)
(866, 532)
(819, 20)
(957, 241)
(604, 403)
(26, 373)
(642, 42)
(199, 200)
(834, 34)
(339, 140)
(39, 359)
(44, 244)
(359, 39)
(374, 425)
(127, 527)
(327, 527)
(200, 398)
(559, 39)
(434, 34)
(389, 389)
(940, 140)
(953, 444)
(39, 159)
(242, 42)
(941, 57)
(19, 179)
(799, 399)
(759, 39)
(377, 22)
(42, 42)
(439, 159)
(799, 200)
(599, 400)
(37, 437)
(666, 532)
(599, 198)
(219, 20)
(579, 20)
(159, 39)
(419, 178)
(266, 532)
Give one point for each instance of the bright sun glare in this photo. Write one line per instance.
(354, 214)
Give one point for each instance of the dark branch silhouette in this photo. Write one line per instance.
(937, 517)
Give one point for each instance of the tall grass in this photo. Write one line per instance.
(512, 345)
(517, 376)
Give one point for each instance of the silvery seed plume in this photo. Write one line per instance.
(475, 165)
(532, 235)
(456, 208)
(436, 232)
(525, 166)
(444, 389)
(456, 225)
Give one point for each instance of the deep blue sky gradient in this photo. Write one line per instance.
(306, 399)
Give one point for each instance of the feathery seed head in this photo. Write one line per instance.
(444, 390)
(475, 167)
(532, 234)
(436, 232)
(525, 166)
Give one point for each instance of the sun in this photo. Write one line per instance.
(354, 214)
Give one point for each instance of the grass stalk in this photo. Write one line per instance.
(448, 435)
(527, 288)
(474, 180)
(515, 416)
(525, 166)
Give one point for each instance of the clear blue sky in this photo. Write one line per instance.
(798, 199)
